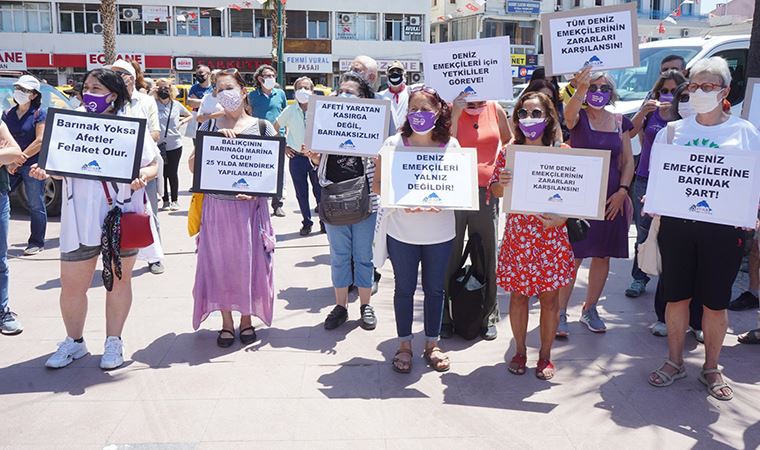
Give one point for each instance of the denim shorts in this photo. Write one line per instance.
(87, 252)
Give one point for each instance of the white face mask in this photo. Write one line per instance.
(685, 110)
(269, 83)
(302, 95)
(22, 98)
(703, 102)
(346, 95)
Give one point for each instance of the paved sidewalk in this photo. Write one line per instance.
(301, 386)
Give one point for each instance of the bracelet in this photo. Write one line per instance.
(627, 188)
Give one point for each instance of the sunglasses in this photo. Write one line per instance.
(523, 113)
(602, 88)
(24, 90)
(423, 88)
(684, 98)
(667, 91)
(706, 87)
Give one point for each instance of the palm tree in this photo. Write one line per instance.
(271, 7)
(108, 19)
(753, 58)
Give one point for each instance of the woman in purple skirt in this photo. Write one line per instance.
(592, 126)
(236, 240)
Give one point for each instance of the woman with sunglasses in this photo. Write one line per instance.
(481, 125)
(417, 236)
(700, 260)
(653, 116)
(594, 127)
(235, 245)
(88, 227)
(535, 258)
(549, 89)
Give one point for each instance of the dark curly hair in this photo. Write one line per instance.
(260, 70)
(114, 83)
(552, 120)
(442, 130)
(365, 90)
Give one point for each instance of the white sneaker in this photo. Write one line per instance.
(68, 352)
(113, 353)
(173, 206)
(659, 329)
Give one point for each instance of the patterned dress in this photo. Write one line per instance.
(532, 259)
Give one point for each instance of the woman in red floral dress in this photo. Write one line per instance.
(535, 257)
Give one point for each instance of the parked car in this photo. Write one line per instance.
(51, 97)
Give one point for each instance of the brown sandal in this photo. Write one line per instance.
(435, 363)
(397, 360)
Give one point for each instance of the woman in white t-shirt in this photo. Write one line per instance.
(700, 260)
(420, 235)
(85, 209)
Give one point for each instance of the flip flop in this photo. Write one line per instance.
(714, 389)
(667, 379)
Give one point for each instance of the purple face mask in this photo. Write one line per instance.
(422, 122)
(532, 128)
(666, 98)
(95, 103)
(598, 99)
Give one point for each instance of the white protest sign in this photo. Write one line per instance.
(95, 146)
(704, 184)
(603, 37)
(564, 181)
(247, 164)
(751, 106)
(480, 67)
(347, 126)
(429, 177)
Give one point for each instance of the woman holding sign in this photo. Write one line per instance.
(91, 227)
(700, 260)
(420, 235)
(536, 258)
(235, 245)
(596, 128)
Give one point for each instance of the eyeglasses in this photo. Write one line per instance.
(423, 88)
(667, 91)
(706, 87)
(602, 88)
(523, 113)
(230, 71)
(24, 90)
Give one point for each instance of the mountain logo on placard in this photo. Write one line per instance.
(240, 184)
(432, 198)
(594, 61)
(470, 90)
(91, 166)
(555, 198)
(702, 208)
(348, 145)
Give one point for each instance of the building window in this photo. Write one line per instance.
(319, 25)
(400, 27)
(79, 18)
(296, 25)
(25, 17)
(137, 19)
(598, 2)
(263, 27)
(453, 2)
(464, 29)
(356, 26)
(191, 21)
(241, 23)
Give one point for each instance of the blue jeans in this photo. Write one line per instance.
(406, 259)
(642, 225)
(349, 242)
(35, 200)
(5, 218)
(302, 173)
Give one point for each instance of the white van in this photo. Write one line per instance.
(633, 84)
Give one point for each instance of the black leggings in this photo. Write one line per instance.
(171, 178)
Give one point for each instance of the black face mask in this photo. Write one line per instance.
(395, 79)
(200, 78)
(163, 94)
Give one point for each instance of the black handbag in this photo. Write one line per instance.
(467, 291)
(346, 202)
(577, 229)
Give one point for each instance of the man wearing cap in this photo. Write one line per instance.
(397, 92)
(147, 105)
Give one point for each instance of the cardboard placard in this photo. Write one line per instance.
(93, 146)
(247, 164)
(751, 105)
(480, 67)
(704, 184)
(429, 177)
(570, 182)
(347, 126)
(604, 37)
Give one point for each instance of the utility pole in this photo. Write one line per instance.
(280, 45)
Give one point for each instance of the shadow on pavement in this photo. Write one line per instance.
(310, 300)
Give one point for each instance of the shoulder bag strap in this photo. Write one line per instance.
(262, 127)
(108, 194)
(671, 132)
(168, 118)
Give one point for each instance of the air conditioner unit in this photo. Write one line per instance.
(130, 14)
(416, 77)
(684, 32)
(414, 21)
(345, 19)
(97, 28)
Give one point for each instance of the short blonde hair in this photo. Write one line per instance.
(173, 91)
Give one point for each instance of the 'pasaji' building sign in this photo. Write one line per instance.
(308, 63)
